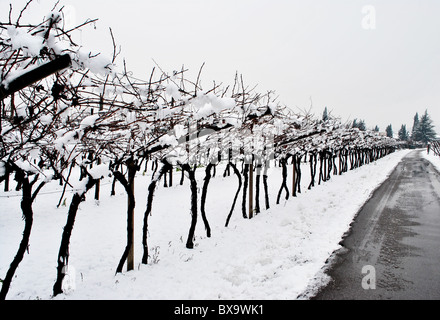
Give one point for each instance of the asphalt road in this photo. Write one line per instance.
(393, 248)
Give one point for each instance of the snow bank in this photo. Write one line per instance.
(435, 160)
(279, 254)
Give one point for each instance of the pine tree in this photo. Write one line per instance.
(403, 133)
(414, 128)
(355, 124)
(325, 115)
(425, 129)
(389, 131)
(376, 128)
(360, 125)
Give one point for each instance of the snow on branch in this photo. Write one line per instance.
(84, 104)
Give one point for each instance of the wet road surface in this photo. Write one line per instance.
(395, 238)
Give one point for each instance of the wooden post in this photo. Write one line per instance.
(294, 177)
(251, 190)
(6, 179)
(131, 175)
(171, 178)
(98, 184)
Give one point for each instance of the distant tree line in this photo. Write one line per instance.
(422, 131)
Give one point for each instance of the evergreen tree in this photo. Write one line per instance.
(425, 129)
(355, 124)
(376, 128)
(360, 125)
(325, 115)
(389, 131)
(403, 133)
(414, 128)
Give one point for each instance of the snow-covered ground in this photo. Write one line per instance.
(279, 254)
(435, 160)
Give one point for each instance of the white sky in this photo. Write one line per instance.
(304, 50)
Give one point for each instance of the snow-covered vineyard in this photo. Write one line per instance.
(77, 125)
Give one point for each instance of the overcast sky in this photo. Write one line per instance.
(372, 60)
